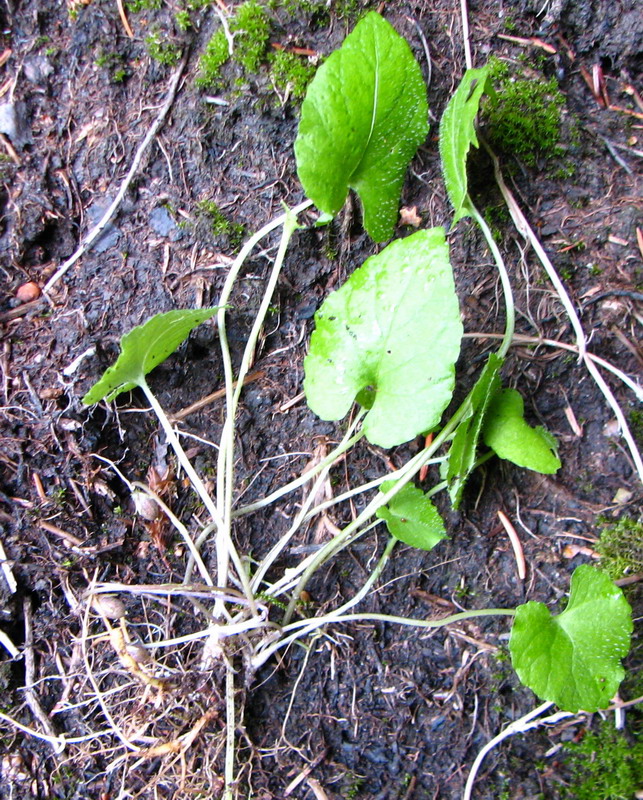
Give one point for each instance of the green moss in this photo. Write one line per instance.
(291, 73)
(220, 224)
(136, 6)
(605, 766)
(523, 118)
(162, 51)
(621, 548)
(636, 426)
(251, 28)
(214, 56)
(183, 20)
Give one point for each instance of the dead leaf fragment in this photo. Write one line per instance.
(409, 216)
(573, 550)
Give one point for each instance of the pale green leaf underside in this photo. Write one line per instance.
(574, 659)
(364, 116)
(144, 348)
(462, 453)
(510, 437)
(458, 133)
(394, 326)
(412, 518)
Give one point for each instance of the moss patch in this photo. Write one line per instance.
(524, 116)
(606, 766)
(291, 73)
(220, 225)
(621, 548)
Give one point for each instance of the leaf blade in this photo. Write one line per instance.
(458, 133)
(412, 518)
(574, 659)
(145, 347)
(510, 437)
(395, 326)
(363, 117)
(462, 453)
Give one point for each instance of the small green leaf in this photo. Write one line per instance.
(144, 348)
(458, 133)
(509, 436)
(394, 329)
(574, 659)
(364, 116)
(412, 518)
(462, 454)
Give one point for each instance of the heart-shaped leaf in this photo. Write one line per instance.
(509, 436)
(392, 335)
(144, 348)
(363, 117)
(412, 518)
(458, 133)
(462, 454)
(574, 659)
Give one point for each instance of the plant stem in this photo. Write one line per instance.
(225, 464)
(231, 727)
(510, 323)
(350, 438)
(306, 626)
(402, 477)
(184, 461)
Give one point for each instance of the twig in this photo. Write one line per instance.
(515, 543)
(97, 230)
(30, 677)
(123, 16)
(465, 34)
(211, 398)
(8, 645)
(6, 569)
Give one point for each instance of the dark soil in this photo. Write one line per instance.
(368, 711)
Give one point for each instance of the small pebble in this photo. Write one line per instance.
(28, 291)
(108, 605)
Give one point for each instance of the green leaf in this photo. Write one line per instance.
(509, 436)
(144, 348)
(573, 659)
(458, 133)
(462, 454)
(412, 518)
(364, 116)
(391, 333)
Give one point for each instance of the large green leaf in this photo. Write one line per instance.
(574, 659)
(392, 335)
(412, 518)
(509, 436)
(144, 348)
(458, 133)
(462, 453)
(364, 116)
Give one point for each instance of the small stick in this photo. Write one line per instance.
(97, 230)
(68, 537)
(515, 543)
(30, 675)
(123, 16)
(211, 398)
(465, 34)
(8, 645)
(6, 569)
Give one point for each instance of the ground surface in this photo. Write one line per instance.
(379, 711)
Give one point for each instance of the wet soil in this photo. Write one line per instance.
(369, 710)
